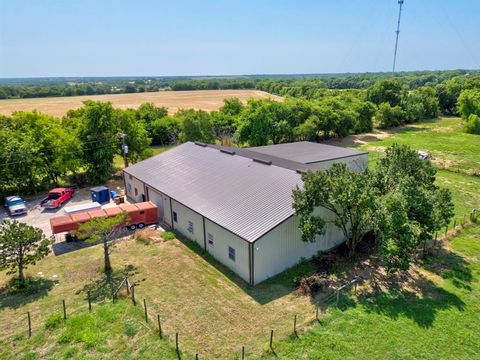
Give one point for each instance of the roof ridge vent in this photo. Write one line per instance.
(227, 151)
(262, 161)
(199, 143)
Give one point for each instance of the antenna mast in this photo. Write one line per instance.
(400, 2)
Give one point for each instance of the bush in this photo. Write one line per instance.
(53, 321)
(168, 235)
(473, 124)
(388, 116)
(130, 328)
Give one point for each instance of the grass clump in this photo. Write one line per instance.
(130, 328)
(53, 321)
(168, 235)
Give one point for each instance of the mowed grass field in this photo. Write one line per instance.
(173, 100)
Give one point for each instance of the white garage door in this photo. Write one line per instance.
(157, 199)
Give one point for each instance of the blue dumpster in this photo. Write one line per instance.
(100, 194)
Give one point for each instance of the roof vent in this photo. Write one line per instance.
(227, 151)
(301, 171)
(200, 144)
(261, 161)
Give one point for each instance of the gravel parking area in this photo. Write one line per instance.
(40, 217)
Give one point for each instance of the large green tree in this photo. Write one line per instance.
(197, 126)
(348, 195)
(21, 245)
(99, 140)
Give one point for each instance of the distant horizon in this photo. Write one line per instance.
(231, 75)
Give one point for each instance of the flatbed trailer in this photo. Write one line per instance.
(139, 216)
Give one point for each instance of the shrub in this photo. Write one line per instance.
(388, 116)
(53, 321)
(130, 328)
(168, 235)
(473, 124)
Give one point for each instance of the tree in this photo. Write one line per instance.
(165, 130)
(136, 138)
(472, 125)
(103, 229)
(100, 142)
(401, 171)
(21, 245)
(388, 116)
(390, 91)
(307, 130)
(349, 195)
(232, 106)
(469, 103)
(197, 126)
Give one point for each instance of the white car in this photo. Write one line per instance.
(15, 205)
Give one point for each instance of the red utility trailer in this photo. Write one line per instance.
(139, 215)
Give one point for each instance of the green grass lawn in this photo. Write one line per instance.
(445, 140)
(438, 319)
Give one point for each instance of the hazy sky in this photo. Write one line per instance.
(140, 37)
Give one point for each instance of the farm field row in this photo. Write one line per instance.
(173, 100)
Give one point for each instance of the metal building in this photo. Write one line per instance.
(237, 203)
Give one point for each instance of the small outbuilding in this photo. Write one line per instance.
(236, 203)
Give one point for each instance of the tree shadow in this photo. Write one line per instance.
(104, 287)
(450, 266)
(37, 288)
(421, 304)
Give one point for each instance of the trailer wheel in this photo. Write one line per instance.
(125, 229)
(140, 226)
(132, 227)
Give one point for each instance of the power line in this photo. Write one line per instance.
(400, 3)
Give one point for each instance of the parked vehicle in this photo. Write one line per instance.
(15, 205)
(139, 216)
(57, 197)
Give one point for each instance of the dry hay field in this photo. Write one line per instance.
(173, 100)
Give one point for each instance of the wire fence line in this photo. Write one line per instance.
(332, 297)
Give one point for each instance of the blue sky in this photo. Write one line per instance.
(140, 37)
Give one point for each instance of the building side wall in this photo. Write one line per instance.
(163, 203)
(283, 247)
(355, 163)
(222, 239)
(132, 183)
(184, 215)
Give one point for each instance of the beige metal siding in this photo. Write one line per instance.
(163, 203)
(222, 239)
(356, 163)
(132, 183)
(184, 215)
(283, 247)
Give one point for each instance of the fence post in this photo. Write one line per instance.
(145, 306)
(159, 326)
(295, 324)
(316, 312)
(176, 342)
(271, 339)
(89, 302)
(29, 325)
(196, 357)
(64, 310)
(133, 295)
(243, 352)
(127, 284)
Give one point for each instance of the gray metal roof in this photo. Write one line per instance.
(244, 196)
(305, 152)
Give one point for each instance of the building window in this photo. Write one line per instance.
(231, 253)
(136, 191)
(210, 239)
(129, 188)
(190, 227)
(174, 216)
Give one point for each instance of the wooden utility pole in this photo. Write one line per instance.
(124, 148)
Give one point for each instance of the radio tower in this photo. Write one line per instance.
(400, 2)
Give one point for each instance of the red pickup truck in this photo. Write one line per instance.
(57, 197)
